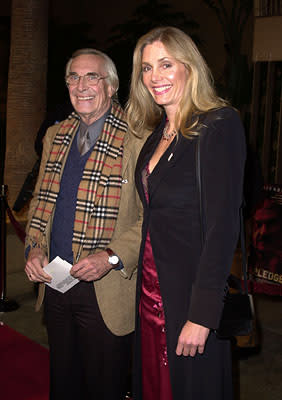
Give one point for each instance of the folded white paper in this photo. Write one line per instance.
(59, 270)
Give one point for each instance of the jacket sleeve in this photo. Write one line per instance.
(128, 245)
(222, 171)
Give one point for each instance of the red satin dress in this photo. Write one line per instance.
(155, 371)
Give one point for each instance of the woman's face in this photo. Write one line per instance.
(163, 76)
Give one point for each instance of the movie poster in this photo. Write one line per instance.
(265, 257)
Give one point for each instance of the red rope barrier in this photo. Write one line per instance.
(17, 226)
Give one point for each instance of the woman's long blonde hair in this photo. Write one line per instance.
(199, 94)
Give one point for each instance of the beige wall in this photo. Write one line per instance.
(267, 39)
(26, 96)
(26, 104)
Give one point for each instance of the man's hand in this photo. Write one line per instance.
(37, 259)
(93, 267)
(192, 338)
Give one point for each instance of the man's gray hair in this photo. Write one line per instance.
(110, 68)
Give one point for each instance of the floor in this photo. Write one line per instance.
(257, 371)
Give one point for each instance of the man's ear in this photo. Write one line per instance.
(111, 91)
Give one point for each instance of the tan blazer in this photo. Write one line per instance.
(115, 291)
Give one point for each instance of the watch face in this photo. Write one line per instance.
(113, 260)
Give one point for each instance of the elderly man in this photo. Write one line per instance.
(85, 210)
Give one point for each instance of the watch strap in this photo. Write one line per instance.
(119, 265)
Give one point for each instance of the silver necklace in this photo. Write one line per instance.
(166, 135)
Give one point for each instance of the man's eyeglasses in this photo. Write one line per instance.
(92, 79)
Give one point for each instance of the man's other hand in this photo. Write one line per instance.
(92, 268)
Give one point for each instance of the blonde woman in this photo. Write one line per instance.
(181, 281)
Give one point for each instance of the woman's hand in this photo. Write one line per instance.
(192, 338)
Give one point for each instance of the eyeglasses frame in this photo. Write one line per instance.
(98, 78)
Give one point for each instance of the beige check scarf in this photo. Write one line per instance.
(99, 190)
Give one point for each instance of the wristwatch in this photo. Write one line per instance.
(113, 258)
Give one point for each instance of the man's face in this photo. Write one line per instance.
(90, 102)
(267, 230)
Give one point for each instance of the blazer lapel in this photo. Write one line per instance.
(168, 161)
(126, 153)
(108, 161)
(145, 156)
(176, 150)
(112, 136)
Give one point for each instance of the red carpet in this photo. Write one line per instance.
(24, 367)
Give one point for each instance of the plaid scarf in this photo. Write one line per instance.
(99, 190)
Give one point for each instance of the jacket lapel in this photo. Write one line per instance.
(115, 141)
(145, 156)
(168, 161)
(175, 151)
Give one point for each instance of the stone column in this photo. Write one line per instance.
(26, 95)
